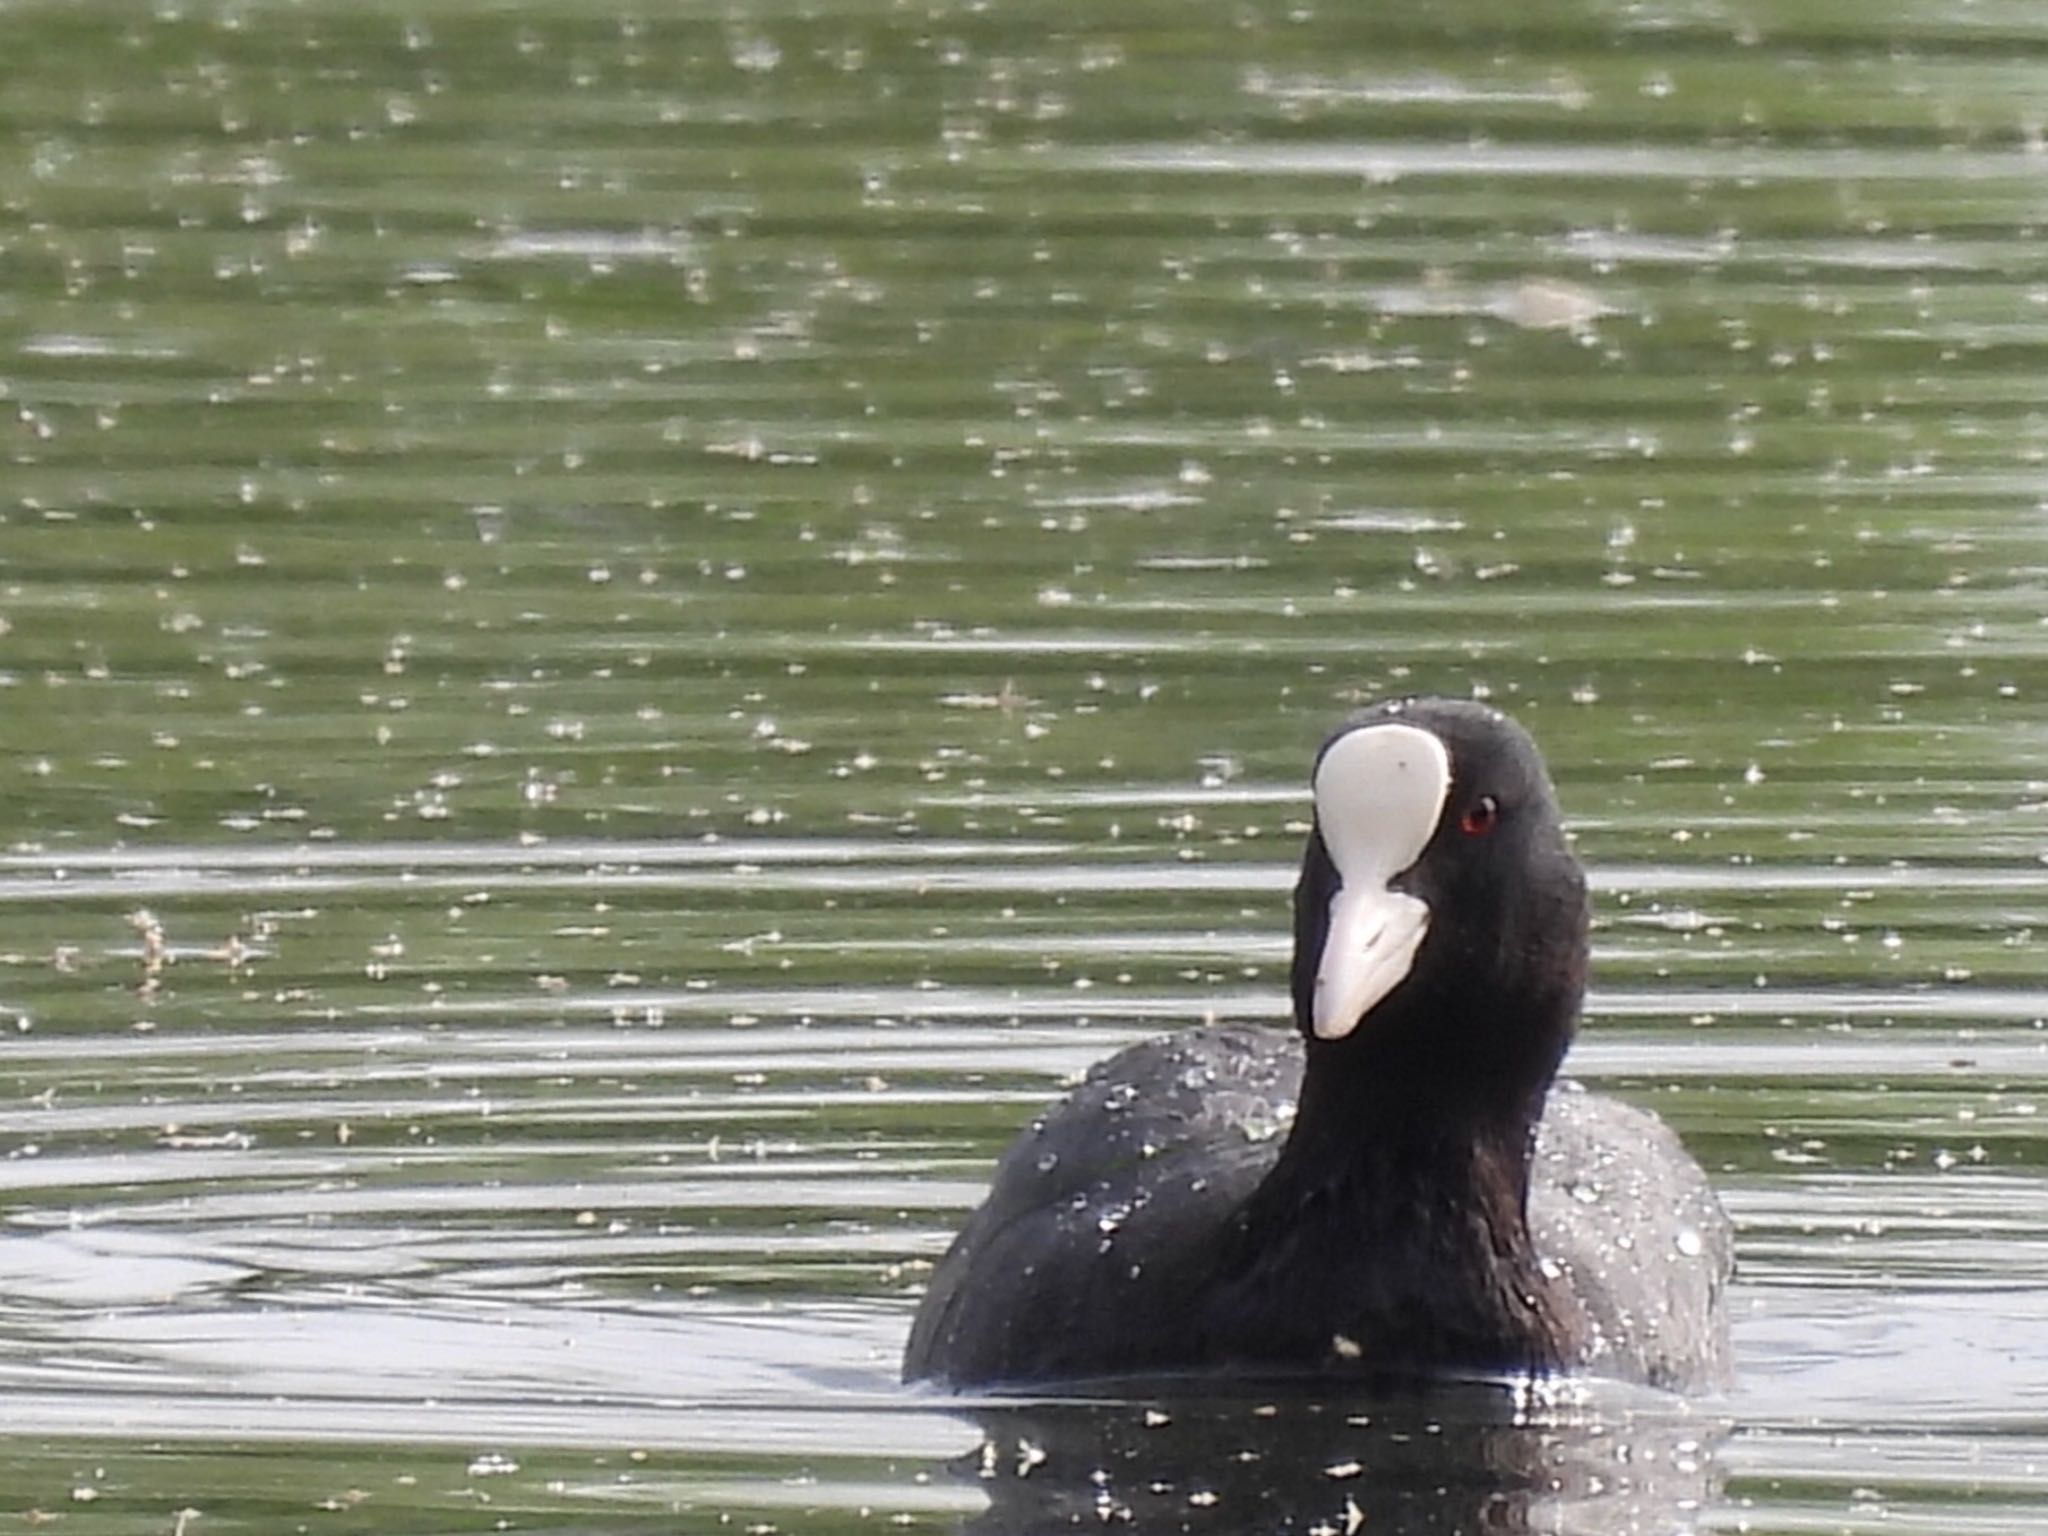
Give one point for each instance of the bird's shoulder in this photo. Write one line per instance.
(1198, 1090)
(1628, 1218)
(1105, 1208)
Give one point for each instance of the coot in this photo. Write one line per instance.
(1405, 1193)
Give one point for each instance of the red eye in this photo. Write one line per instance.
(1480, 816)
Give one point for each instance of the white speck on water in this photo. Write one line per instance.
(755, 55)
(1689, 1242)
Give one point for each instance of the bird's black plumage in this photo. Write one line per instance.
(1405, 1192)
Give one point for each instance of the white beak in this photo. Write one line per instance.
(1378, 793)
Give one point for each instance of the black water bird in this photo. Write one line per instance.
(1408, 1192)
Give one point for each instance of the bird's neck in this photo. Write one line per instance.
(1393, 1148)
(1410, 1207)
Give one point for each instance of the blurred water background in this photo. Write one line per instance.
(625, 634)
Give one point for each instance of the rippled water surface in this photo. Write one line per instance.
(625, 635)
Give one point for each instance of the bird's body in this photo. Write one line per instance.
(1081, 1264)
(1406, 1192)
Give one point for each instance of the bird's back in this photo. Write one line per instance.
(1105, 1211)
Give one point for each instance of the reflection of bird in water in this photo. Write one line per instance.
(1433, 1205)
(1465, 1459)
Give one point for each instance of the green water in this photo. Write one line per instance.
(624, 636)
